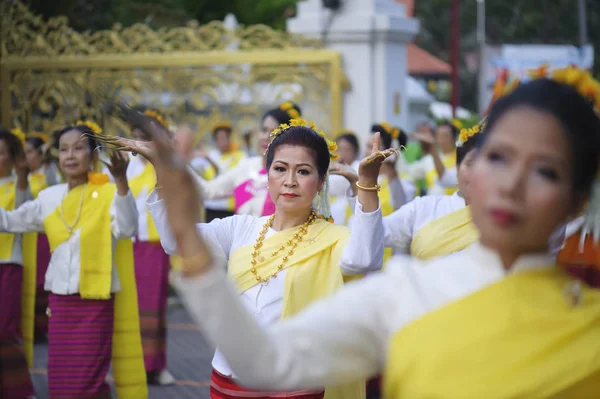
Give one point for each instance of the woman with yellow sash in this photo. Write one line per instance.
(42, 174)
(348, 150)
(282, 263)
(15, 381)
(92, 308)
(151, 267)
(498, 320)
(440, 156)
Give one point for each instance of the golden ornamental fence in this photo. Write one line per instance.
(51, 75)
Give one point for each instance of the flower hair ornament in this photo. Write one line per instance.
(18, 133)
(466, 133)
(92, 126)
(157, 117)
(42, 136)
(389, 129)
(321, 203)
(288, 107)
(221, 125)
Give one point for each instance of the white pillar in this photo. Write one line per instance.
(371, 35)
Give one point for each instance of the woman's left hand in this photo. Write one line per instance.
(369, 168)
(118, 164)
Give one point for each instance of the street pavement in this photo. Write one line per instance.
(188, 358)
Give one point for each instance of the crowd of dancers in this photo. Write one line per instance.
(284, 253)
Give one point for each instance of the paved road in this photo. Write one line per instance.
(188, 358)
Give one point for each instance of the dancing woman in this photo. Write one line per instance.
(498, 320)
(151, 266)
(42, 174)
(15, 381)
(92, 305)
(282, 263)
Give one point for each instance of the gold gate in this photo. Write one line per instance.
(51, 75)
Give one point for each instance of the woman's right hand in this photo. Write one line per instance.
(340, 169)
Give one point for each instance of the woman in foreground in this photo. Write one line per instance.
(513, 324)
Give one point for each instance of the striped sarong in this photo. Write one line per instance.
(152, 279)
(223, 387)
(41, 295)
(80, 344)
(15, 382)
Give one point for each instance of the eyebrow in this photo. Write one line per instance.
(287, 164)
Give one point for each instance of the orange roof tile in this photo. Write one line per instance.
(420, 62)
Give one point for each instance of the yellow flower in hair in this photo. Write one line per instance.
(331, 146)
(41, 136)
(475, 129)
(313, 126)
(18, 133)
(540, 72)
(572, 75)
(295, 122)
(321, 133)
(334, 157)
(157, 117)
(288, 107)
(457, 124)
(559, 75)
(395, 133)
(217, 125)
(97, 130)
(387, 127)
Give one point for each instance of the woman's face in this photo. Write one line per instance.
(445, 139)
(293, 178)
(34, 157)
(74, 154)
(6, 161)
(464, 174)
(223, 141)
(520, 184)
(346, 152)
(268, 125)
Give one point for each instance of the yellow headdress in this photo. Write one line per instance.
(331, 145)
(288, 107)
(18, 133)
(221, 125)
(391, 130)
(466, 133)
(44, 137)
(97, 130)
(157, 117)
(456, 123)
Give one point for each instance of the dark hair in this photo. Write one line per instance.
(352, 140)
(402, 138)
(471, 144)
(386, 137)
(15, 148)
(572, 110)
(305, 137)
(36, 142)
(281, 116)
(453, 128)
(81, 129)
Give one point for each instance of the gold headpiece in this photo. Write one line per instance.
(466, 133)
(41, 136)
(221, 125)
(18, 133)
(389, 129)
(288, 107)
(97, 130)
(331, 145)
(158, 117)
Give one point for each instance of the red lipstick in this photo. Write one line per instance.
(504, 218)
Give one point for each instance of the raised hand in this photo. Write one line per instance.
(369, 167)
(340, 169)
(118, 165)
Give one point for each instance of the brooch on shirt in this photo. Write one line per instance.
(310, 241)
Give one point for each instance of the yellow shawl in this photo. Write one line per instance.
(7, 202)
(313, 272)
(37, 182)
(147, 180)
(449, 162)
(518, 338)
(96, 260)
(445, 235)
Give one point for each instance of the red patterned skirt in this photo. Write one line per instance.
(152, 279)
(15, 382)
(79, 347)
(222, 387)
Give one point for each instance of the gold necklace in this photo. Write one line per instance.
(293, 243)
(62, 214)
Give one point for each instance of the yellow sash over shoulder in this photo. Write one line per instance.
(443, 236)
(96, 260)
(8, 197)
(313, 272)
(518, 338)
(147, 180)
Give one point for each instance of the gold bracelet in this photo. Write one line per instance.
(376, 187)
